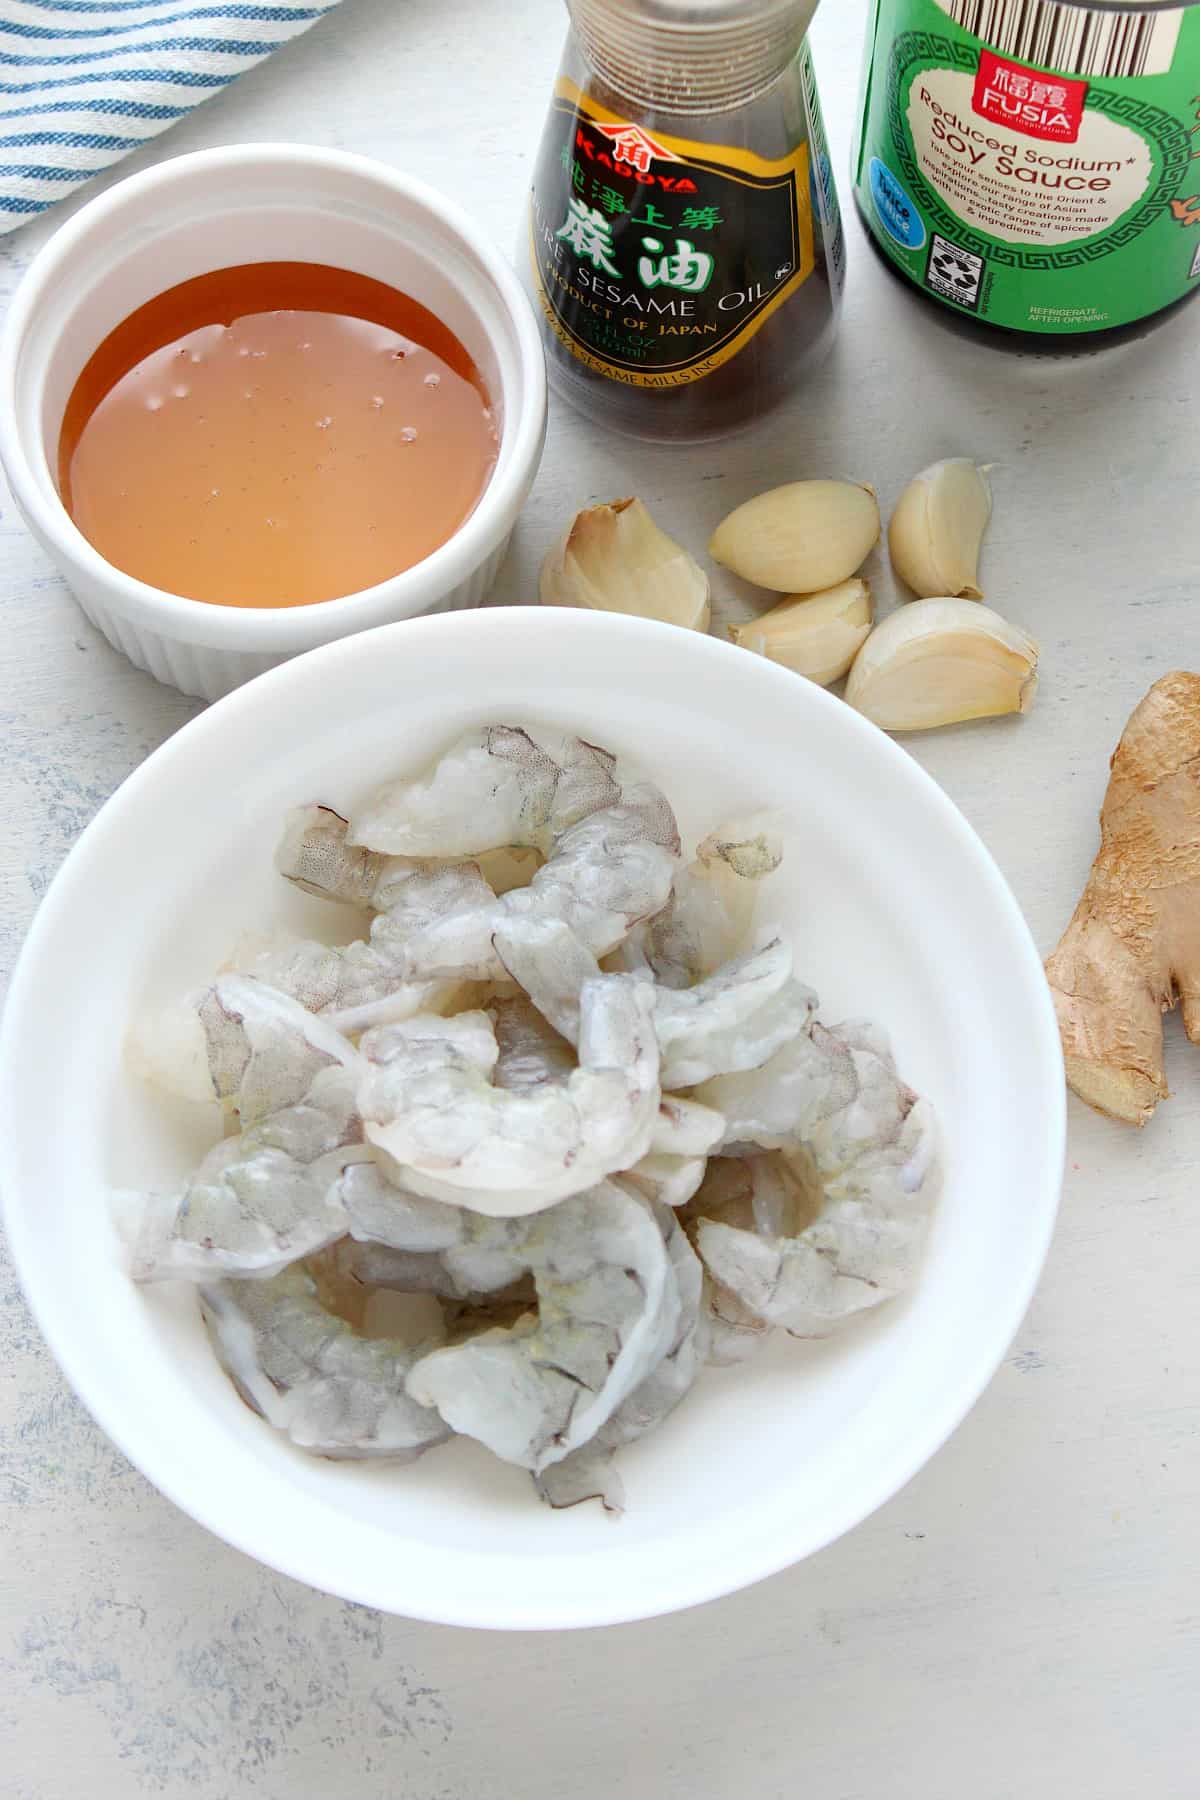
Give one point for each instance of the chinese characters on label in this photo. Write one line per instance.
(588, 232)
(1035, 103)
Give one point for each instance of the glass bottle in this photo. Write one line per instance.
(1029, 166)
(685, 247)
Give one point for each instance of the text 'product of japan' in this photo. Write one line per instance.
(1032, 164)
(685, 247)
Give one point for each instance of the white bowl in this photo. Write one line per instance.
(896, 910)
(255, 203)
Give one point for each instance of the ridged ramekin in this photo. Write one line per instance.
(255, 203)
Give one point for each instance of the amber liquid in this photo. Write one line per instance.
(275, 435)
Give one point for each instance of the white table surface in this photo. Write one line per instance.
(1021, 1623)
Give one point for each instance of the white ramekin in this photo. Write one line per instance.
(255, 203)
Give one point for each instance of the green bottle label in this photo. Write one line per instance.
(1031, 163)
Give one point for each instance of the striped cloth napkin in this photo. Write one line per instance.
(84, 82)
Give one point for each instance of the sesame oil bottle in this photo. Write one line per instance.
(685, 247)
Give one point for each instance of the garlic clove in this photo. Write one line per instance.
(817, 635)
(937, 529)
(614, 558)
(939, 661)
(801, 538)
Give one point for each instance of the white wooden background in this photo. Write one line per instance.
(1022, 1622)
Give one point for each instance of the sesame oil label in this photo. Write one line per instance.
(1032, 163)
(656, 258)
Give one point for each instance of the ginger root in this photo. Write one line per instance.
(1133, 945)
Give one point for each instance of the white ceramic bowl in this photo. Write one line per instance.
(255, 203)
(896, 910)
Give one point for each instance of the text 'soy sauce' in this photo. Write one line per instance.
(275, 434)
(1030, 165)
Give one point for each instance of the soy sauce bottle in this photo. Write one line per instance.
(685, 247)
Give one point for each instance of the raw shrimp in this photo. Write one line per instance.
(430, 1105)
(468, 1275)
(495, 788)
(609, 1311)
(711, 908)
(779, 1105)
(612, 857)
(673, 1167)
(557, 1128)
(531, 1051)
(588, 1472)
(863, 1158)
(240, 1042)
(264, 1048)
(736, 1019)
(606, 873)
(477, 1254)
(369, 981)
(685, 1127)
(669, 1180)
(612, 849)
(259, 1201)
(329, 1389)
(314, 854)
(729, 1332)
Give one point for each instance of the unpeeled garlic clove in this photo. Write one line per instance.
(801, 538)
(614, 558)
(817, 635)
(937, 529)
(939, 661)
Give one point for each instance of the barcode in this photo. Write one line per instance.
(1072, 40)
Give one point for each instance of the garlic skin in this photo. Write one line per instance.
(801, 538)
(614, 558)
(937, 529)
(817, 635)
(940, 661)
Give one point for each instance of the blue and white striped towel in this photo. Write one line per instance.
(84, 82)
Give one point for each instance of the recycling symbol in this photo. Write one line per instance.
(954, 270)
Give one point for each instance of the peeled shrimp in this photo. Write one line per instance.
(711, 908)
(588, 1472)
(736, 1019)
(313, 852)
(259, 1201)
(612, 849)
(241, 1042)
(669, 1180)
(864, 1159)
(610, 1309)
(467, 1275)
(430, 1105)
(673, 1168)
(729, 1333)
(315, 1378)
(612, 856)
(779, 1105)
(449, 910)
(492, 789)
(531, 1051)
(264, 1049)
(476, 1254)
(605, 874)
